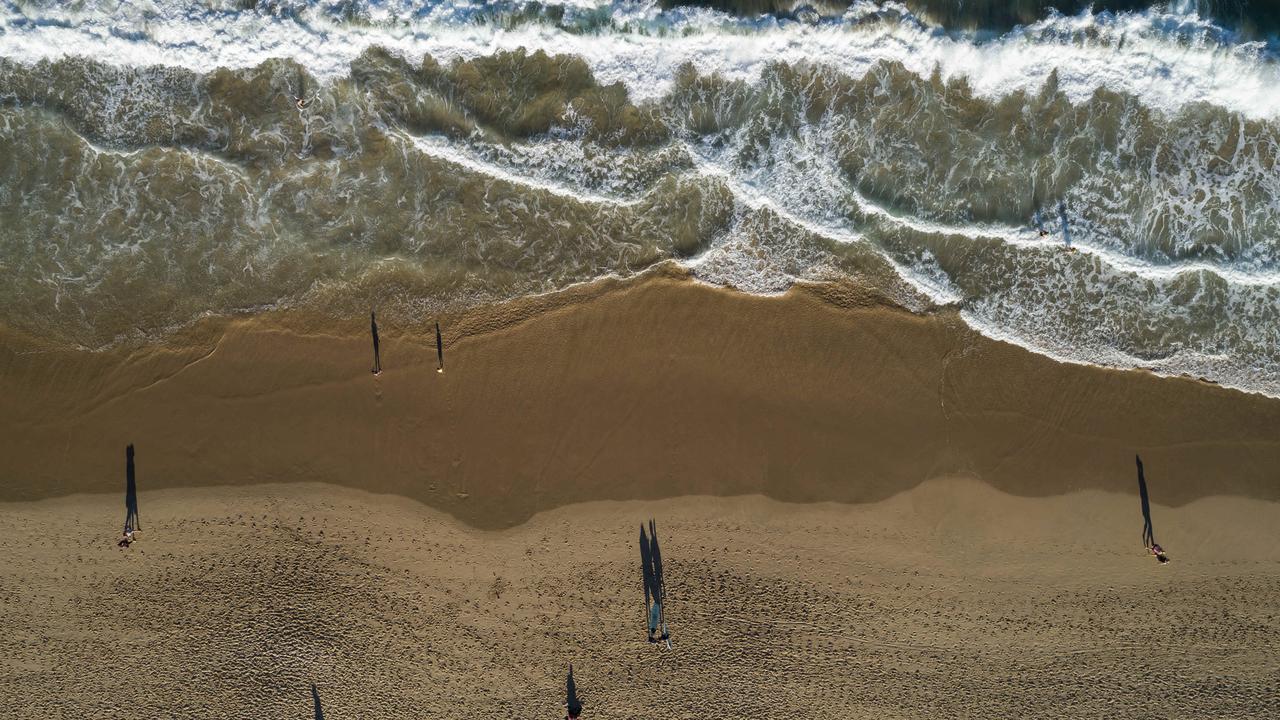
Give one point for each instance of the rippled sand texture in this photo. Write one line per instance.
(946, 601)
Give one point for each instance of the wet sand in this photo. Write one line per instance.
(619, 391)
(960, 537)
(948, 600)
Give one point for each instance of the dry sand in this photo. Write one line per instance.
(961, 536)
(949, 600)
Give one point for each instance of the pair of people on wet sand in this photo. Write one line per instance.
(377, 351)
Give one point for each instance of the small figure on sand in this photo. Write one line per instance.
(1148, 536)
(127, 539)
(572, 707)
(439, 350)
(377, 358)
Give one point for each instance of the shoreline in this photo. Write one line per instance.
(623, 389)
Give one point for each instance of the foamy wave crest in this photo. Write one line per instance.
(166, 171)
(1169, 60)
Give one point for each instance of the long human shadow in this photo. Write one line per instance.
(1148, 536)
(571, 702)
(315, 699)
(439, 350)
(377, 355)
(131, 520)
(646, 570)
(659, 580)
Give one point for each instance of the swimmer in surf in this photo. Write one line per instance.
(1039, 222)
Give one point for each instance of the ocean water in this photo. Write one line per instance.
(155, 168)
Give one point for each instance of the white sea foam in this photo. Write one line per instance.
(442, 149)
(1167, 60)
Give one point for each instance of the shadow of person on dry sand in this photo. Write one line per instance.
(659, 586)
(1148, 536)
(131, 521)
(572, 706)
(646, 569)
(315, 700)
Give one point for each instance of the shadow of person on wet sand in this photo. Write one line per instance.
(439, 350)
(377, 358)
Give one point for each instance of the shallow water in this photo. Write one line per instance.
(154, 167)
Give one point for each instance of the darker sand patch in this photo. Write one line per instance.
(651, 389)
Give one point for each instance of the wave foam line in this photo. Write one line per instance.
(1167, 60)
(937, 292)
(1112, 359)
(1027, 238)
(441, 149)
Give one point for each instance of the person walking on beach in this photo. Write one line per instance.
(572, 706)
(1148, 536)
(373, 328)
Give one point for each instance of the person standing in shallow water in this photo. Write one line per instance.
(373, 328)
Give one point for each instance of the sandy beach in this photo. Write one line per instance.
(948, 600)
(866, 514)
(617, 391)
